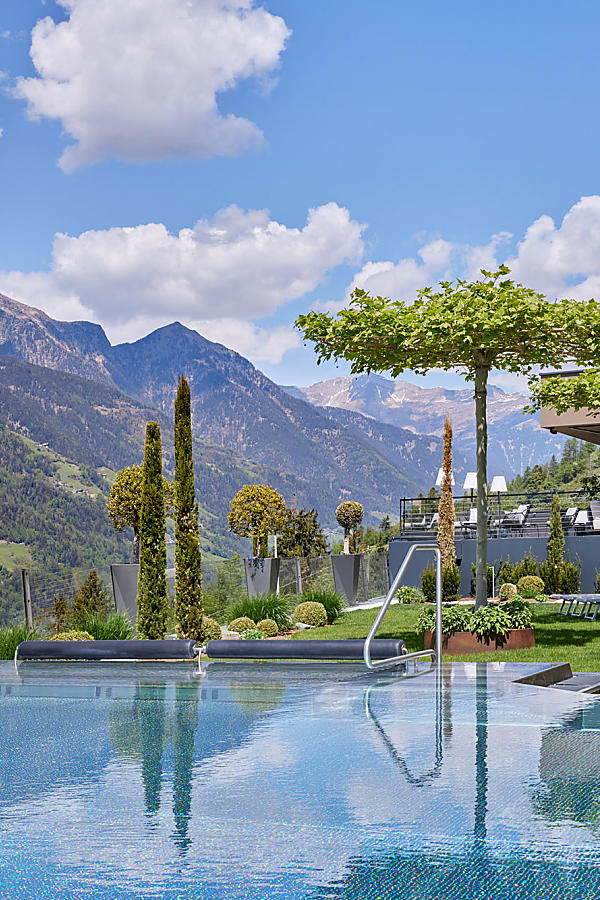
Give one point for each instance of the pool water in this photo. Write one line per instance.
(279, 781)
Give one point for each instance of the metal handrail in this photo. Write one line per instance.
(395, 660)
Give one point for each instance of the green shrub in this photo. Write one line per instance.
(242, 623)
(114, 627)
(450, 583)
(454, 618)
(519, 613)
(72, 636)
(268, 627)
(543, 598)
(507, 591)
(333, 602)
(529, 586)
(11, 637)
(310, 613)
(408, 594)
(570, 577)
(252, 634)
(211, 630)
(428, 583)
(263, 606)
(491, 623)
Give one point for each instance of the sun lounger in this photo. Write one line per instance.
(584, 606)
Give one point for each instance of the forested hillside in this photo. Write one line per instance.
(578, 467)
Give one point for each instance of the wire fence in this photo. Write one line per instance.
(223, 583)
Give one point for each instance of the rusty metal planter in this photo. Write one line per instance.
(467, 642)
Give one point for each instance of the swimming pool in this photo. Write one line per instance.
(282, 781)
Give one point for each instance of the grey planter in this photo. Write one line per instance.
(125, 581)
(346, 571)
(262, 575)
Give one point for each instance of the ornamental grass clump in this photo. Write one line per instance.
(242, 623)
(11, 637)
(268, 627)
(114, 627)
(263, 606)
(310, 613)
(530, 586)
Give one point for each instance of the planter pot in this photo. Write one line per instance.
(346, 571)
(124, 582)
(467, 642)
(262, 575)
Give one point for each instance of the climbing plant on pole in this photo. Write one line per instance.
(473, 327)
(188, 563)
(152, 580)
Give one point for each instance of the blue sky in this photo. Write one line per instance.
(427, 138)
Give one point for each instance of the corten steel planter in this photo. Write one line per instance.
(262, 575)
(467, 642)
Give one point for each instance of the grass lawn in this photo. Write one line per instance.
(557, 638)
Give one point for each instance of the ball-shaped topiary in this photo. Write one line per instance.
(73, 636)
(211, 630)
(243, 623)
(268, 627)
(310, 613)
(530, 586)
(507, 591)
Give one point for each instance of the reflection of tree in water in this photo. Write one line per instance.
(184, 732)
(152, 732)
(470, 871)
(256, 697)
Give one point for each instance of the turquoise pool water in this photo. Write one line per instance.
(256, 782)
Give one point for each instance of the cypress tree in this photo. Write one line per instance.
(152, 581)
(188, 569)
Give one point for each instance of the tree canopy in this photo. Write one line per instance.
(256, 511)
(301, 535)
(125, 501)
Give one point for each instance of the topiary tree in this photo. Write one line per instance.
(188, 562)
(91, 598)
(152, 581)
(349, 515)
(256, 511)
(551, 572)
(477, 326)
(125, 502)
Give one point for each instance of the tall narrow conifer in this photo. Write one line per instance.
(152, 581)
(188, 569)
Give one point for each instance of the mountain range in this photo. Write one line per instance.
(515, 440)
(368, 438)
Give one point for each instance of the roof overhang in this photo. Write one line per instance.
(576, 423)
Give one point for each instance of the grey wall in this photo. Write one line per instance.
(586, 546)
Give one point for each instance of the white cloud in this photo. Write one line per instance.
(139, 81)
(215, 276)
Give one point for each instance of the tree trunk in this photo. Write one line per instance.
(136, 547)
(346, 542)
(481, 377)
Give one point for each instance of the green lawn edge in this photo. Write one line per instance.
(557, 638)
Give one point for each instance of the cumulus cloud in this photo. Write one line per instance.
(239, 265)
(139, 81)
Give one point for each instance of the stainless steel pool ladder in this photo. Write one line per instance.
(420, 654)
